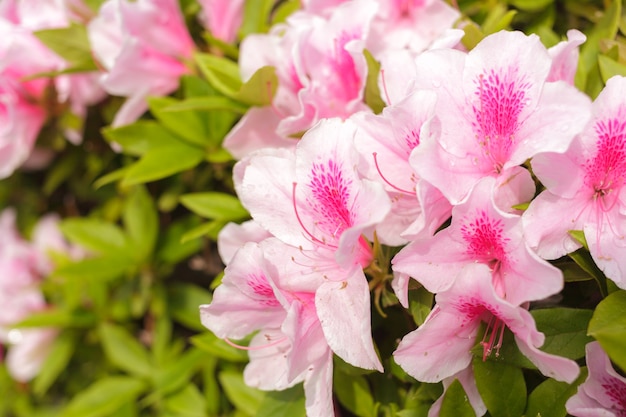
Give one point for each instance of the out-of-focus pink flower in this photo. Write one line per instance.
(23, 265)
(222, 18)
(603, 394)
(22, 110)
(497, 110)
(321, 70)
(585, 189)
(143, 45)
(441, 346)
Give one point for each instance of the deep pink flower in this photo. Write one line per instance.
(603, 394)
(441, 346)
(143, 46)
(585, 189)
(482, 233)
(496, 109)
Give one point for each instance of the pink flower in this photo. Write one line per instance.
(143, 46)
(223, 18)
(497, 110)
(585, 189)
(262, 291)
(565, 57)
(386, 142)
(313, 199)
(466, 378)
(604, 391)
(441, 347)
(321, 70)
(482, 233)
(410, 24)
(23, 265)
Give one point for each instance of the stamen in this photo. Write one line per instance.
(495, 332)
(382, 76)
(295, 208)
(248, 348)
(375, 154)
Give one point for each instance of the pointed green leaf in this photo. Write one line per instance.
(455, 402)
(208, 103)
(60, 354)
(104, 397)
(210, 343)
(188, 402)
(372, 91)
(565, 330)
(259, 90)
(420, 304)
(56, 317)
(501, 386)
(549, 398)
(188, 124)
(140, 137)
(221, 73)
(96, 235)
(184, 301)
(585, 261)
(286, 403)
(102, 269)
(610, 68)
(256, 17)
(354, 394)
(141, 221)
(239, 394)
(71, 43)
(163, 162)
(215, 205)
(608, 326)
(209, 229)
(124, 351)
(177, 373)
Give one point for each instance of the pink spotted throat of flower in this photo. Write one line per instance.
(481, 233)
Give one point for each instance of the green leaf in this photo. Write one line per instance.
(501, 386)
(549, 398)
(55, 317)
(585, 261)
(259, 90)
(531, 5)
(420, 304)
(139, 137)
(96, 235)
(579, 236)
(372, 91)
(221, 73)
(124, 351)
(244, 398)
(214, 205)
(498, 19)
(162, 162)
(608, 326)
(256, 17)
(610, 68)
(104, 397)
(60, 354)
(171, 249)
(100, 269)
(141, 221)
(177, 373)
(188, 402)
(188, 124)
(111, 177)
(210, 229)
(354, 393)
(207, 103)
(184, 302)
(286, 403)
(455, 402)
(565, 330)
(210, 343)
(71, 43)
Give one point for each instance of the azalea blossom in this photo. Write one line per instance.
(442, 346)
(321, 70)
(386, 142)
(480, 232)
(604, 391)
(143, 46)
(496, 110)
(23, 111)
(223, 18)
(23, 265)
(313, 199)
(468, 381)
(585, 189)
(262, 291)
